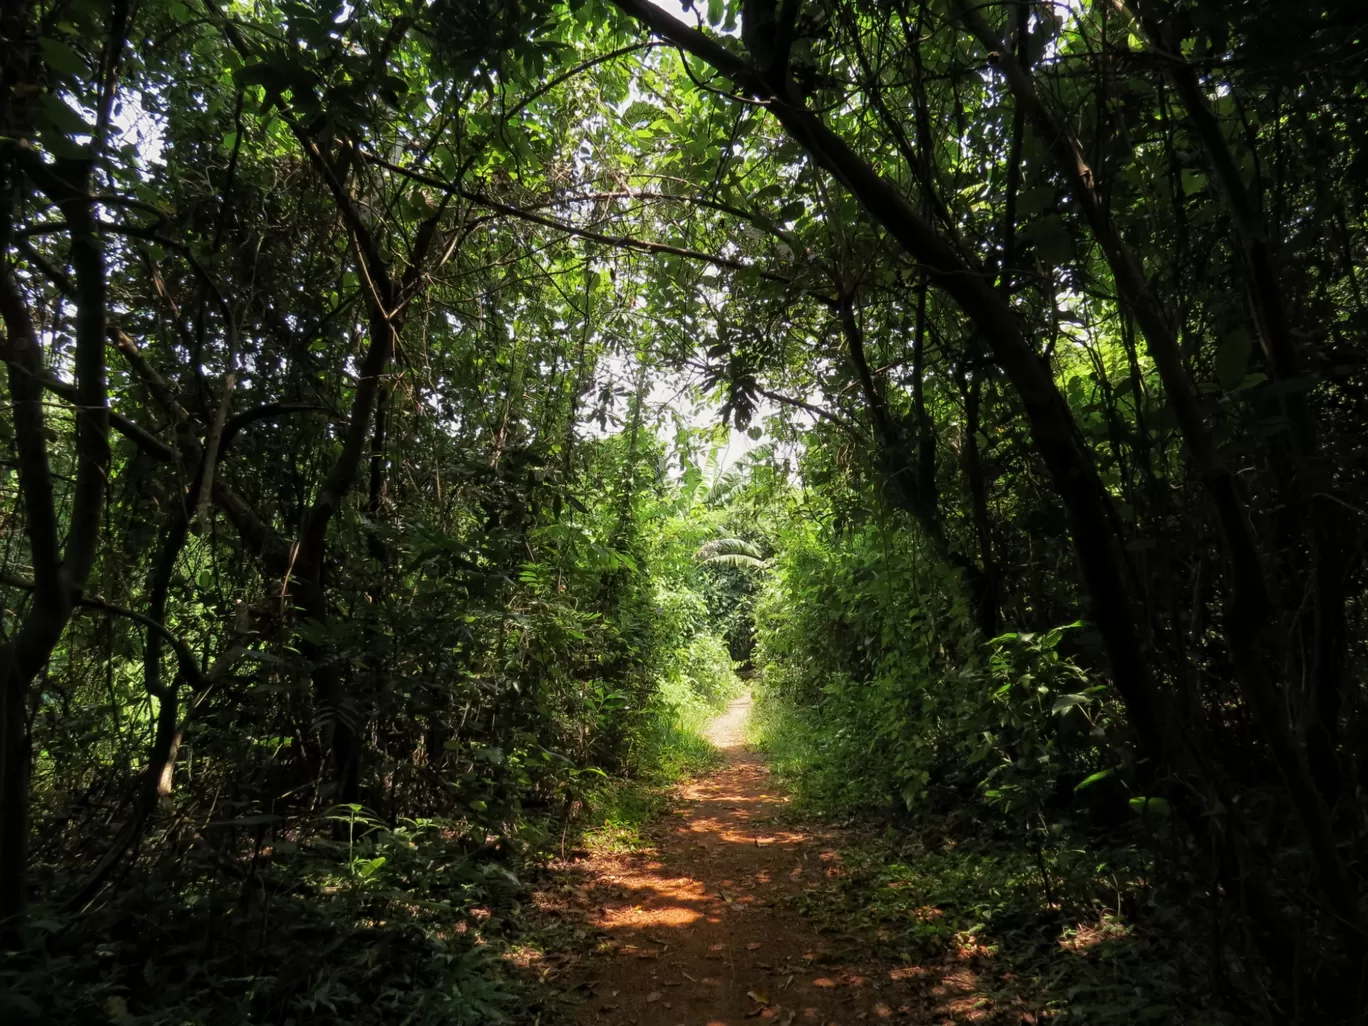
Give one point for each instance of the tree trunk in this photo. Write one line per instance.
(14, 797)
(59, 573)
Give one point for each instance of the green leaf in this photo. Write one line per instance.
(61, 58)
(1156, 808)
(1290, 386)
(261, 74)
(1053, 243)
(1193, 182)
(1066, 702)
(731, 552)
(642, 113)
(1232, 358)
(1033, 201)
(61, 117)
(367, 868)
(1096, 778)
(715, 12)
(21, 1004)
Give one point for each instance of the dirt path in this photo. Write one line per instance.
(701, 931)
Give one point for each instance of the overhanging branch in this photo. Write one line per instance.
(616, 241)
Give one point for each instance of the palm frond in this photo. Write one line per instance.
(732, 552)
(736, 559)
(724, 488)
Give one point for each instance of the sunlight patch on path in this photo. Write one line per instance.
(704, 927)
(728, 731)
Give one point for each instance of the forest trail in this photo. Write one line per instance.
(701, 930)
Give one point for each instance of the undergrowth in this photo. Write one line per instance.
(353, 919)
(1071, 924)
(811, 761)
(359, 921)
(669, 747)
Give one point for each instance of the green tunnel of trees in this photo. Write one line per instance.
(353, 471)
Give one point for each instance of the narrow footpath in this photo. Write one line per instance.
(702, 930)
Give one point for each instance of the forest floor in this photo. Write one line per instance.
(703, 923)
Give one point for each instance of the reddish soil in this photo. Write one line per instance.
(701, 930)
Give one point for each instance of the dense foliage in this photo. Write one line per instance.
(358, 518)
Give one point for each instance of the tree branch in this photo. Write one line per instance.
(67, 184)
(23, 356)
(185, 656)
(616, 241)
(787, 400)
(134, 432)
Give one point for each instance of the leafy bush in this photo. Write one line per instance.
(877, 689)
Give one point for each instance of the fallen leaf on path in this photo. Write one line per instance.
(758, 996)
(754, 946)
(653, 996)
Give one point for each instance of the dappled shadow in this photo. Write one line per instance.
(700, 929)
(706, 927)
(713, 924)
